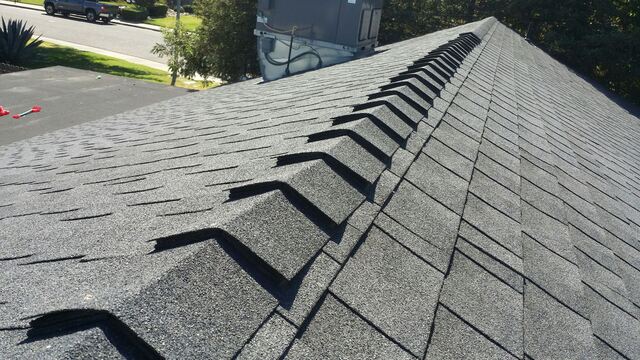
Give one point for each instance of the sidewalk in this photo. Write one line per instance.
(119, 22)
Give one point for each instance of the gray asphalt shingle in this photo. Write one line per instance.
(613, 325)
(337, 332)
(495, 224)
(487, 303)
(552, 330)
(453, 339)
(392, 288)
(425, 250)
(449, 158)
(439, 182)
(424, 216)
(270, 341)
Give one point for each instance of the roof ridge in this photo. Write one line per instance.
(463, 44)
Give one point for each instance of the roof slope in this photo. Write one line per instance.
(70, 97)
(457, 195)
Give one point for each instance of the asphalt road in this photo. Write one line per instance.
(112, 37)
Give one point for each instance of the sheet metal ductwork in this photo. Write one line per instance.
(300, 35)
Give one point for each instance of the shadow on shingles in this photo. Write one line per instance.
(266, 276)
(19, 257)
(67, 322)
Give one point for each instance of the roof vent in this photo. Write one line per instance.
(300, 35)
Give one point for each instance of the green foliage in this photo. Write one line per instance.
(403, 19)
(148, 4)
(187, 22)
(600, 39)
(158, 11)
(134, 14)
(224, 46)
(177, 48)
(187, 5)
(188, 9)
(15, 41)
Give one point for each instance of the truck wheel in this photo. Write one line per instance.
(50, 9)
(91, 16)
(105, 20)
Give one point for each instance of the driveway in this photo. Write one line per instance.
(113, 38)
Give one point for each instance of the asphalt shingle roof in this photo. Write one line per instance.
(70, 97)
(460, 194)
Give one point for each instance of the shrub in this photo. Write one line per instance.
(172, 4)
(188, 9)
(158, 11)
(225, 46)
(136, 14)
(148, 4)
(14, 41)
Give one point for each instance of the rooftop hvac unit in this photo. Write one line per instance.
(300, 35)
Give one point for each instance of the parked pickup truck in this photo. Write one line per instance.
(93, 10)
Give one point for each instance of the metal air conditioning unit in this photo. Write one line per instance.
(299, 35)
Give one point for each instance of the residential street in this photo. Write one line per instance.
(113, 38)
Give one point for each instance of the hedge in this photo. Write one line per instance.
(158, 11)
(138, 14)
(188, 9)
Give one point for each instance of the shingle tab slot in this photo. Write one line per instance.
(65, 322)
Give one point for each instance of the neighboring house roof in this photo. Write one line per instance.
(70, 97)
(460, 194)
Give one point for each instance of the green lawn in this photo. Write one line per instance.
(188, 22)
(50, 55)
(32, 2)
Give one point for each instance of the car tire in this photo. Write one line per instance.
(91, 16)
(105, 20)
(50, 9)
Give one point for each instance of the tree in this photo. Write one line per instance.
(224, 45)
(597, 38)
(177, 46)
(402, 19)
(148, 4)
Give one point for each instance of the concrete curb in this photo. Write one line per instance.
(140, 26)
(119, 22)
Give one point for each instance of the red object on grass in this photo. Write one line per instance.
(34, 109)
